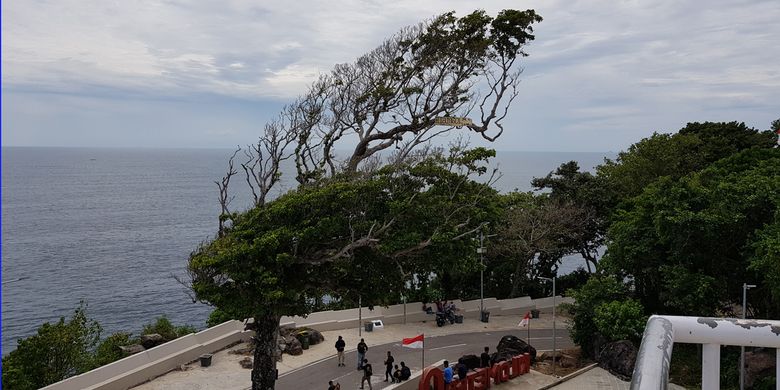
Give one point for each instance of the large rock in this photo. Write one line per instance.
(151, 340)
(294, 347)
(511, 346)
(471, 361)
(315, 337)
(758, 364)
(128, 350)
(618, 358)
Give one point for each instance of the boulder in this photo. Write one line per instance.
(315, 337)
(246, 362)
(618, 358)
(511, 346)
(128, 350)
(294, 347)
(286, 330)
(758, 364)
(471, 361)
(567, 361)
(151, 340)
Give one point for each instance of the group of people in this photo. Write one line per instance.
(401, 373)
(441, 307)
(462, 369)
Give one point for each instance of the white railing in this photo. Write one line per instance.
(652, 365)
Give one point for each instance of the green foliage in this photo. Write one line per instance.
(620, 320)
(568, 185)
(688, 243)
(573, 280)
(166, 329)
(347, 236)
(108, 350)
(217, 317)
(693, 148)
(597, 291)
(57, 351)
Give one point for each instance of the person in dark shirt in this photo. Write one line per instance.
(463, 370)
(397, 375)
(406, 373)
(484, 359)
(331, 386)
(362, 348)
(367, 372)
(389, 366)
(340, 345)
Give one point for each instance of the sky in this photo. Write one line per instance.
(600, 75)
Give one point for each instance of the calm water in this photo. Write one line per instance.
(112, 227)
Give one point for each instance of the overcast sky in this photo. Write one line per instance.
(600, 75)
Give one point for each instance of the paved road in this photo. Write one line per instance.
(317, 375)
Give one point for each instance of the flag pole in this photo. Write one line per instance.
(529, 331)
(423, 354)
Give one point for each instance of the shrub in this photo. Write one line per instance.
(162, 326)
(166, 329)
(620, 320)
(108, 351)
(57, 351)
(596, 291)
(217, 317)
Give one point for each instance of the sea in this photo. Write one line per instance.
(114, 228)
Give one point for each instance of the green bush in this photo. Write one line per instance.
(56, 352)
(163, 327)
(597, 290)
(620, 320)
(217, 317)
(166, 329)
(185, 330)
(108, 350)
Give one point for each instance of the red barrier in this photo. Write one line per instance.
(433, 377)
(434, 374)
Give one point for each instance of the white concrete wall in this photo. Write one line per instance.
(149, 364)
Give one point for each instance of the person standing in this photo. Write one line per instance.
(340, 345)
(484, 359)
(367, 372)
(332, 386)
(362, 348)
(389, 366)
(447, 374)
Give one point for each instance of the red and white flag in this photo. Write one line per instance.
(414, 342)
(524, 321)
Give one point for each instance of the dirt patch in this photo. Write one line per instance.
(567, 361)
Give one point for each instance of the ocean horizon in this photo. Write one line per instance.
(114, 226)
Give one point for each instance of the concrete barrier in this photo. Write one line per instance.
(149, 364)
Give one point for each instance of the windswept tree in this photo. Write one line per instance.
(535, 233)
(352, 225)
(567, 184)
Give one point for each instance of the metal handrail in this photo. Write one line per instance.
(651, 371)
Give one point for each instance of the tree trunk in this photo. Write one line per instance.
(516, 280)
(264, 365)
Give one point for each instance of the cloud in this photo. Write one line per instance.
(605, 72)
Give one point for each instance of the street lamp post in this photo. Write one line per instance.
(481, 251)
(553, 334)
(745, 287)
